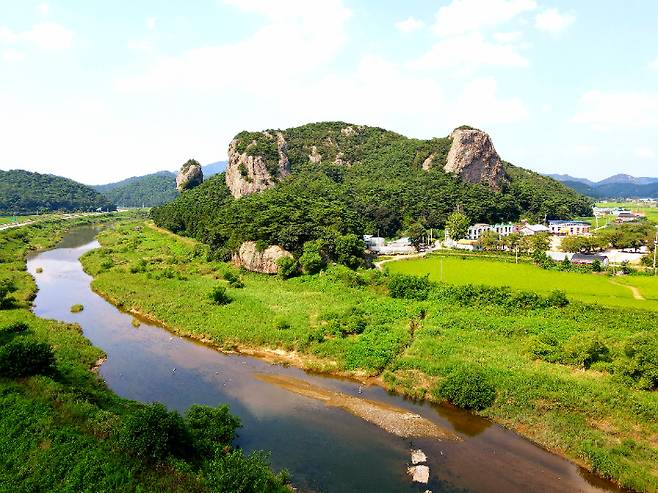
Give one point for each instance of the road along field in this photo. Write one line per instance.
(589, 288)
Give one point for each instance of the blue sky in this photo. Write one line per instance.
(98, 91)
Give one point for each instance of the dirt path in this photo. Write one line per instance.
(636, 292)
(182, 239)
(379, 264)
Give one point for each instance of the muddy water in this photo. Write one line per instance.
(325, 447)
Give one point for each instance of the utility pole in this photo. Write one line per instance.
(655, 249)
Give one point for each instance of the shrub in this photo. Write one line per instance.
(211, 428)
(239, 473)
(352, 321)
(219, 296)
(546, 347)
(312, 260)
(154, 434)
(639, 364)
(233, 280)
(585, 350)
(77, 308)
(288, 267)
(468, 388)
(15, 328)
(22, 358)
(409, 287)
(7, 287)
(557, 299)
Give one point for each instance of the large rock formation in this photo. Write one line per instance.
(264, 261)
(250, 171)
(189, 176)
(473, 157)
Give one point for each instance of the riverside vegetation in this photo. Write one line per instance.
(61, 429)
(579, 379)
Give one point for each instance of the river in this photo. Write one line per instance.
(324, 448)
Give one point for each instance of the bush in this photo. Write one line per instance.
(219, 296)
(154, 434)
(585, 350)
(557, 299)
(468, 388)
(288, 267)
(233, 280)
(211, 428)
(546, 347)
(15, 328)
(639, 364)
(77, 308)
(239, 473)
(312, 260)
(409, 287)
(7, 287)
(22, 358)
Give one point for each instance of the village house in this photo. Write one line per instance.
(569, 228)
(533, 229)
(477, 230)
(378, 245)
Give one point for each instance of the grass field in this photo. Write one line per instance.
(345, 321)
(588, 288)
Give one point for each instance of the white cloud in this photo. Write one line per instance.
(150, 23)
(410, 24)
(141, 45)
(645, 153)
(309, 34)
(553, 22)
(468, 52)
(462, 16)
(43, 8)
(7, 35)
(508, 37)
(609, 110)
(49, 36)
(654, 64)
(480, 105)
(12, 56)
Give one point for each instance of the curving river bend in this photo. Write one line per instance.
(325, 448)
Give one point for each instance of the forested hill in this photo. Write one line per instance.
(24, 192)
(324, 179)
(141, 191)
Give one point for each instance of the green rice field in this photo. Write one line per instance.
(589, 288)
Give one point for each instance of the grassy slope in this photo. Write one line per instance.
(585, 415)
(58, 434)
(588, 288)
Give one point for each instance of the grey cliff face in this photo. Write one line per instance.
(247, 173)
(189, 176)
(474, 159)
(264, 261)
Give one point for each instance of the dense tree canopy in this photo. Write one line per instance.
(141, 191)
(23, 192)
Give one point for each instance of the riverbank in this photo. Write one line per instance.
(344, 323)
(61, 428)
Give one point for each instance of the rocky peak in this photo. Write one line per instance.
(189, 176)
(256, 162)
(473, 158)
(264, 261)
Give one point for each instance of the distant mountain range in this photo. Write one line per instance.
(150, 190)
(614, 187)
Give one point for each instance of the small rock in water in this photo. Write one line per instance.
(418, 457)
(419, 474)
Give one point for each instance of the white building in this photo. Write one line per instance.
(477, 230)
(533, 229)
(378, 245)
(569, 228)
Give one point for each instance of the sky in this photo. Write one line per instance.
(99, 91)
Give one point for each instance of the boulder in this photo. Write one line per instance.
(419, 474)
(248, 173)
(189, 176)
(473, 158)
(264, 261)
(418, 456)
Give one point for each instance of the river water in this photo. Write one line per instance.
(324, 448)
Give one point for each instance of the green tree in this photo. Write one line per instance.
(313, 259)
(457, 225)
(490, 240)
(349, 250)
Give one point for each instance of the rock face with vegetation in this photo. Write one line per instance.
(256, 161)
(473, 158)
(255, 260)
(189, 176)
(324, 180)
